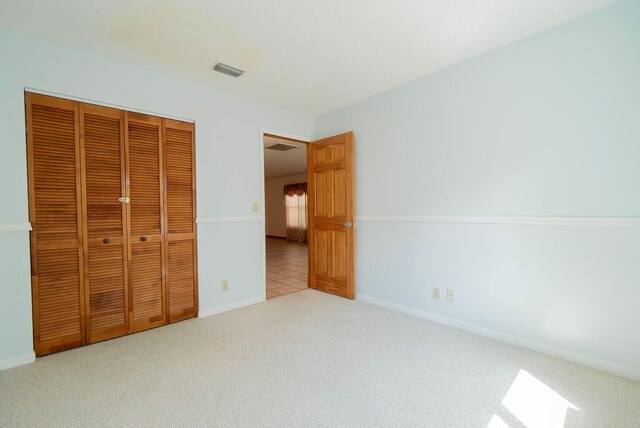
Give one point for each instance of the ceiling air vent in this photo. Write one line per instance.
(227, 69)
(280, 147)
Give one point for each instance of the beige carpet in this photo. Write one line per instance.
(311, 359)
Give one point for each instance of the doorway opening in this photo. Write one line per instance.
(285, 215)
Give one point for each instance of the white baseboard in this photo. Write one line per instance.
(18, 360)
(585, 360)
(220, 309)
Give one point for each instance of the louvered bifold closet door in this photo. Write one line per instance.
(55, 213)
(102, 144)
(147, 232)
(181, 229)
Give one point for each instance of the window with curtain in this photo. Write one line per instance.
(295, 201)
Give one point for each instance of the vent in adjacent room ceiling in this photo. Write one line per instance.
(227, 69)
(280, 147)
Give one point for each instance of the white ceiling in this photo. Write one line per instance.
(283, 164)
(308, 56)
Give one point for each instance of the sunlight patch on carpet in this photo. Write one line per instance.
(535, 404)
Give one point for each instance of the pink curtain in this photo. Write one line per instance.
(295, 200)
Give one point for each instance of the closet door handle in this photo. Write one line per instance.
(124, 200)
(106, 240)
(143, 238)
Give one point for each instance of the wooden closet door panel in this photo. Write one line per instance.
(182, 280)
(102, 143)
(181, 229)
(147, 241)
(55, 214)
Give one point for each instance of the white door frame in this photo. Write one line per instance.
(263, 228)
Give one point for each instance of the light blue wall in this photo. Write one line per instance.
(16, 334)
(228, 167)
(548, 126)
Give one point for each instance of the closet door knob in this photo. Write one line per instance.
(143, 238)
(106, 240)
(124, 200)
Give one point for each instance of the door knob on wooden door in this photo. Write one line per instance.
(348, 224)
(143, 238)
(124, 200)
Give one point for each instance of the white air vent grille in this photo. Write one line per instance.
(227, 69)
(280, 147)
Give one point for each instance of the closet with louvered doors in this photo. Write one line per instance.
(112, 208)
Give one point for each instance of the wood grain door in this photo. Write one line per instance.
(180, 220)
(148, 294)
(330, 165)
(106, 277)
(55, 213)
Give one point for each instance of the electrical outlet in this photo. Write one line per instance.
(256, 208)
(436, 293)
(451, 294)
(225, 285)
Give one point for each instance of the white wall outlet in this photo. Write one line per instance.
(225, 285)
(451, 294)
(256, 208)
(436, 293)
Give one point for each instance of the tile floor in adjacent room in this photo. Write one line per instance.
(287, 267)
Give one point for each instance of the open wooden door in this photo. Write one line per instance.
(331, 215)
